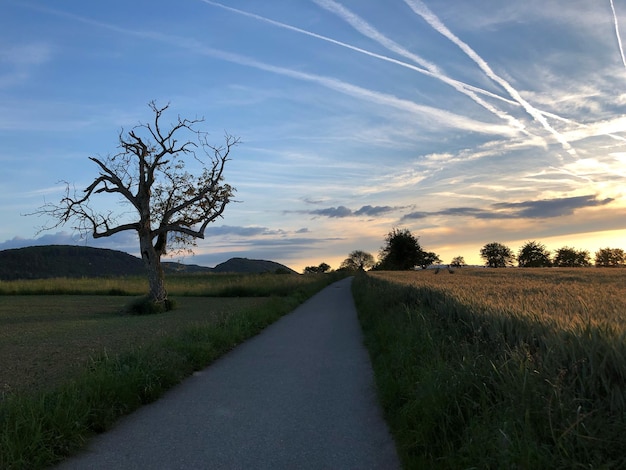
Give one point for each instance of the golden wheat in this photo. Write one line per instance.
(568, 298)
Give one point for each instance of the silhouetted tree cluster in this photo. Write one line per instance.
(458, 262)
(567, 257)
(535, 255)
(321, 268)
(497, 255)
(358, 261)
(610, 257)
(402, 251)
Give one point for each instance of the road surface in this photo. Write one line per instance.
(300, 395)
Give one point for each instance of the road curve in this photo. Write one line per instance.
(300, 395)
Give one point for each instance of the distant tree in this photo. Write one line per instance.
(169, 207)
(610, 257)
(402, 251)
(567, 257)
(497, 255)
(428, 258)
(322, 268)
(358, 261)
(458, 262)
(534, 255)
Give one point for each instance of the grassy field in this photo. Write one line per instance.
(44, 339)
(214, 285)
(73, 364)
(500, 368)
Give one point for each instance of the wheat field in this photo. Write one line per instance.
(501, 368)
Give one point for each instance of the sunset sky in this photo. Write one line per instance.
(464, 122)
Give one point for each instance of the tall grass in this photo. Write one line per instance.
(500, 370)
(41, 428)
(204, 285)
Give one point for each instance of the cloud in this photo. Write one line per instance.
(547, 208)
(21, 60)
(435, 118)
(373, 211)
(343, 211)
(241, 231)
(333, 212)
(541, 209)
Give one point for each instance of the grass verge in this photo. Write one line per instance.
(470, 387)
(39, 429)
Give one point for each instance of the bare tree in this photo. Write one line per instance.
(170, 207)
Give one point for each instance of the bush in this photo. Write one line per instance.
(146, 306)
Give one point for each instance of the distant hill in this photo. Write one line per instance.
(42, 262)
(245, 265)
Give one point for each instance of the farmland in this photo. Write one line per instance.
(500, 368)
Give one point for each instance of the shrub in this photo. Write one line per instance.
(146, 306)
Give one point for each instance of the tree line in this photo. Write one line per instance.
(402, 251)
(534, 254)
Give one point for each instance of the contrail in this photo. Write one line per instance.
(441, 116)
(431, 69)
(422, 10)
(396, 62)
(369, 31)
(619, 39)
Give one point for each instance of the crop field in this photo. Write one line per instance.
(500, 368)
(566, 298)
(73, 360)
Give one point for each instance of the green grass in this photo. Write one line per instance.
(203, 285)
(465, 385)
(43, 339)
(105, 365)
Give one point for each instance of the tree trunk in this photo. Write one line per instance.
(152, 262)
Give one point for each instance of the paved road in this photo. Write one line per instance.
(300, 395)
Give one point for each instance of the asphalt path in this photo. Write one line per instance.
(300, 395)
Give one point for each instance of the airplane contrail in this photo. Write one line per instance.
(439, 115)
(619, 38)
(422, 10)
(369, 31)
(396, 62)
(432, 71)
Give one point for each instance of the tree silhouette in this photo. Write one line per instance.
(567, 257)
(533, 255)
(358, 261)
(497, 255)
(401, 251)
(458, 262)
(322, 268)
(610, 257)
(170, 206)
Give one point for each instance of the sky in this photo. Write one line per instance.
(464, 122)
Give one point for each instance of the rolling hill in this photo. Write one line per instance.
(41, 262)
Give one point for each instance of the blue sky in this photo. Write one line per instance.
(465, 122)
